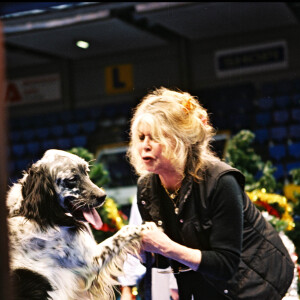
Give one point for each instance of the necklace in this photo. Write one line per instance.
(172, 196)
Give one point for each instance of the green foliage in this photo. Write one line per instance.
(83, 153)
(241, 155)
(279, 225)
(97, 174)
(294, 235)
(267, 180)
(295, 176)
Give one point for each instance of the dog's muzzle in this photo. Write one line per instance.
(86, 211)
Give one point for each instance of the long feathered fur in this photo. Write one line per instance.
(52, 250)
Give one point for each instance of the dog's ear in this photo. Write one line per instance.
(39, 196)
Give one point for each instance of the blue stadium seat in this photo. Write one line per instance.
(28, 134)
(282, 101)
(295, 115)
(81, 114)
(38, 121)
(261, 135)
(18, 150)
(279, 133)
(15, 136)
(95, 113)
(79, 141)
(33, 148)
(57, 130)
(51, 118)
(65, 117)
(42, 133)
(296, 100)
(277, 152)
(110, 111)
(72, 128)
(88, 126)
(294, 150)
(48, 144)
(27, 122)
(294, 132)
(263, 119)
(22, 164)
(64, 143)
(292, 166)
(280, 171)
(280, 116)
(265, 103)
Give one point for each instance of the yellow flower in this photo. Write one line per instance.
(113, 212)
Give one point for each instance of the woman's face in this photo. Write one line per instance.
(151, 152)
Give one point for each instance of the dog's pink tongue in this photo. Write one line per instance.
(93, 217)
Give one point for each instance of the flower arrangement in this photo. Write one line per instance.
(277, 206)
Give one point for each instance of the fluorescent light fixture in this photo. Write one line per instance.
(82, 44)
(54, 23)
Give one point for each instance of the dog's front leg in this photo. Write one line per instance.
(111, 254)
(126, 240)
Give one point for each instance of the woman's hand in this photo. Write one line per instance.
(156, 241)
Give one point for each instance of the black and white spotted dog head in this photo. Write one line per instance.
(57, 190)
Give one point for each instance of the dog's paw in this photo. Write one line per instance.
(129, 232)
(148, 226)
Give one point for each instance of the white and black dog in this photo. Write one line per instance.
(52, 250)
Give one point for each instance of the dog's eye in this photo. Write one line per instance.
(71, 182)
(72, 179)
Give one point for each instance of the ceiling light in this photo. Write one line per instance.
(82, 44)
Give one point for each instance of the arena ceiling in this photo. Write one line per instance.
(40, 32)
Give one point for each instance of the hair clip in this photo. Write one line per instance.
(188, 105)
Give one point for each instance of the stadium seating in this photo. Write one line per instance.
(277, 152)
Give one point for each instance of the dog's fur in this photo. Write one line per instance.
(52, 250)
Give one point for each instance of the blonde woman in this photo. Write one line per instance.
(204, 225)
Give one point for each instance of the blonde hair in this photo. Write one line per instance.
(180, 124)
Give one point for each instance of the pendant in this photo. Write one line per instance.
(172, 196)
(176, 210)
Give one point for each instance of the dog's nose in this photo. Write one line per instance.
(101, 193)
(100, 200)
